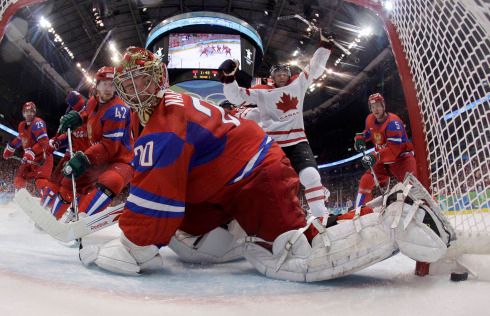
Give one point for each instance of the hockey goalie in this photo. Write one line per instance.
(216, 188)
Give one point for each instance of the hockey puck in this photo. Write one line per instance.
(456, 277)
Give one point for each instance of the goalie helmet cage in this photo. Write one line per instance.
(442, 50)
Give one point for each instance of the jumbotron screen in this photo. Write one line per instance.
(201, 51)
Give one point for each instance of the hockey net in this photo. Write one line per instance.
(8, 9)
(445, 46)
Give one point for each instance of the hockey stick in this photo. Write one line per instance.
(37, 164)
(73, 185)
(314, 28)
(66, 232)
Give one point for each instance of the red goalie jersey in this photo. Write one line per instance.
(188, 152)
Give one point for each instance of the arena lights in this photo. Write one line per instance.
(116, 56)
(295, 53)
(45, 24)
(388, 5)
(363, 33)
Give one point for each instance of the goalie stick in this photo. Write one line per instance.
(66, 231)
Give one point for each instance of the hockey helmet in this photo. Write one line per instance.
(104, 73)
(141, 62)
(376, 98)
(29, 106)
(75, 101)
(281, 68)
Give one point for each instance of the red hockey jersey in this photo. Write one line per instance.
(109, 133)
(187, 152)
(33, 136)
(389, 137)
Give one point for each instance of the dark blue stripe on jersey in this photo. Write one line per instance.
(117, 113)
(167, 148)
(207, 146)
(143, 194)
(264, 146)
(395, 130)
(149, 212)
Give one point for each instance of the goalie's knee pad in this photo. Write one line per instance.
(222, 244)
(335, 251)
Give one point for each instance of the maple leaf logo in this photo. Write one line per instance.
(287, 103)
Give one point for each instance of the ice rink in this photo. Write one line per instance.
(39, 276)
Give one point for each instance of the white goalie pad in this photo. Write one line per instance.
(400, 222)
(349, 250)
(122, 256)
(65, 232)
(218, 246)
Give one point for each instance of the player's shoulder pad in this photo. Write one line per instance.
(38, 123)
(393, 116)
(118, 112)
(177, 99)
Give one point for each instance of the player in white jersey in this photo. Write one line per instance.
(280, 113)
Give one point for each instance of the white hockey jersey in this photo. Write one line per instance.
(280, 110)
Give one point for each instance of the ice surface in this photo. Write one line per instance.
(39, 276)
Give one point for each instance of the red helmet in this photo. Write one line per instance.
(29, 106)
(104, 73)
(75, 101)
(375, 98)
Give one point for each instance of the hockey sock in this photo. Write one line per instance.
(59, 207)
(96, 200)
(315, 195)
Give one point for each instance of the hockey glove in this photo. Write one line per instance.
(327, 40)
(368, 161)
(54, 144)
(228, 70)
(359, 143)
(76, 165)
(71, 120)
(8, 152)
(29, 156)
(122, 256)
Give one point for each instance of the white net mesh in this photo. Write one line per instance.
(447, 45)
(4, 4)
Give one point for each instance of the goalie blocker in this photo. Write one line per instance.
(398, 223)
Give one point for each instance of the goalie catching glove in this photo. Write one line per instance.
(228, 70)
(121, 256)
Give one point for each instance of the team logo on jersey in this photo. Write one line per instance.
(378, 138)
(287, 103)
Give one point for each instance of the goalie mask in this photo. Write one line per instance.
(141, 80)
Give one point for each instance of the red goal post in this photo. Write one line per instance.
(442, 50)
(8, 9)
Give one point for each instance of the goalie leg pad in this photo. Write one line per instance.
(350, 250)
(415, 239)
(122, 256)
(217, 246)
